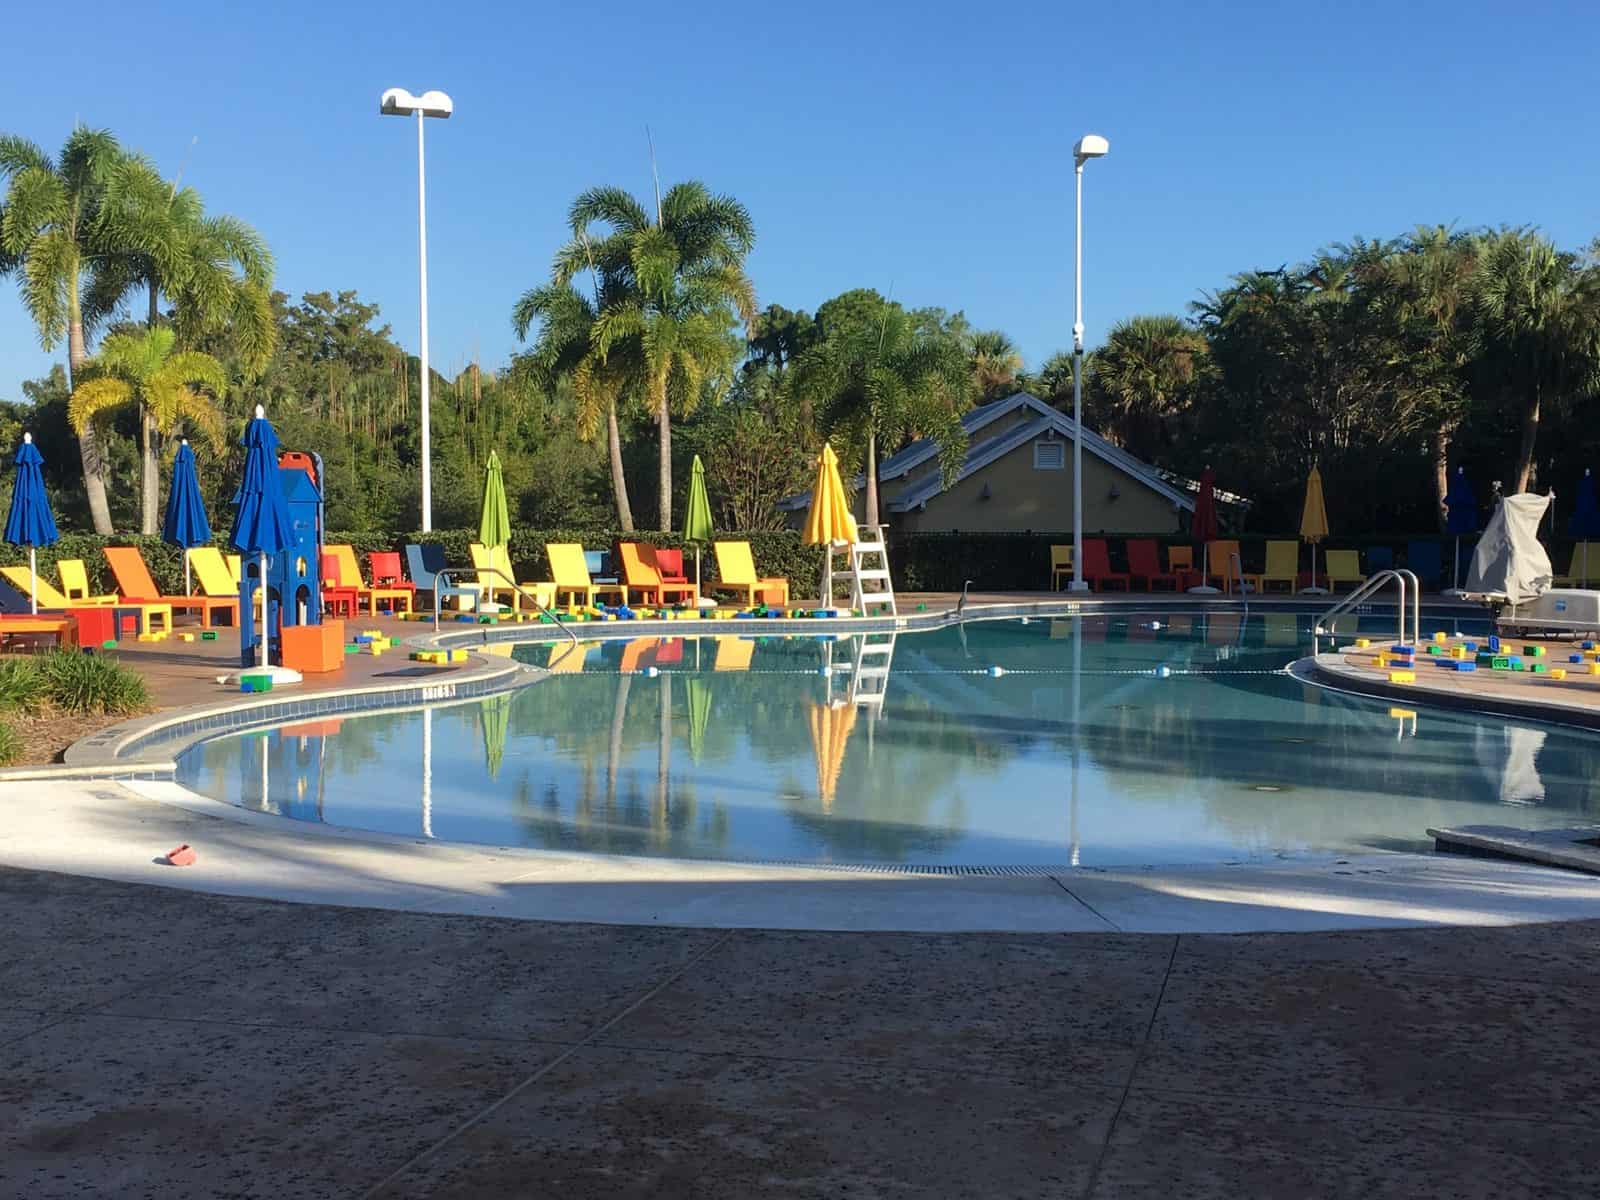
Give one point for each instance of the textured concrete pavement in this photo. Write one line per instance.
(163, 1043)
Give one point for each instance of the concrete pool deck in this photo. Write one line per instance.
(121, 830)
(165, 1043)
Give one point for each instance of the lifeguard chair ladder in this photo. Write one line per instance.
(871, 589)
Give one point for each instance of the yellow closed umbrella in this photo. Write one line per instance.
(1314, 522)
(829, 522)
(830, 734)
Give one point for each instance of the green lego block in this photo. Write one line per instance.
(1539, 669)
(352, 649)
(394, 643)
(1499, 662)
(109, 644)
(1517, 666)
(1534, 651)
(1435, 650)
(209, 635)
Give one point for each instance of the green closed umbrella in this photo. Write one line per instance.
(697, 517)
(494, 526)
(699, 715)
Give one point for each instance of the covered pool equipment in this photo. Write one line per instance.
(1511, 573)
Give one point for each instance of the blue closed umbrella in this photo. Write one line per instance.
(186, 524)
(30, 522)
(1585, 522)
(261, 524)
(1461, 516)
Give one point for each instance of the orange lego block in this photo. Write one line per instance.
(314, 649)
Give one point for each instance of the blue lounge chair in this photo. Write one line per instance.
(601, 569)
(425, 562)
(1379, 558)
(1425, 561)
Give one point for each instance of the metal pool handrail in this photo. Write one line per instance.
(1237, 564)
(447, 575)
(1374, 584)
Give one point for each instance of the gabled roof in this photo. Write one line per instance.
(981, 451)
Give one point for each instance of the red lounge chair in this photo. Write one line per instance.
(1097, 565)
(1144, 564)
(670, 564)
(386, 572)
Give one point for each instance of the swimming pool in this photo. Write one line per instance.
(1121, 740)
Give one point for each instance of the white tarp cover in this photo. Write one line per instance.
(1510, 561)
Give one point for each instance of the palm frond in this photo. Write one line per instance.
(96, 398)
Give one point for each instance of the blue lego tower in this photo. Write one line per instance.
(294, 574)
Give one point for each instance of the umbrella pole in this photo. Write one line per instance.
(261, 583)
(1455, 570)
(33, 580)
(1585, 562)
(188, 583)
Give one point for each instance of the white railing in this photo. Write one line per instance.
(1372, 586)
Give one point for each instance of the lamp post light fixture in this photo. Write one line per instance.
(397, 102)
(1089, 146)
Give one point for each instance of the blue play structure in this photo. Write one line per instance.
(294, 579)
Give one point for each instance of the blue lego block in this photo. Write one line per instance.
(1462, 665)
(1494, 644)
(1402, 650)
(1577, 658)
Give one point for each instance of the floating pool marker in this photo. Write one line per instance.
(996, 671)
(1163, 672)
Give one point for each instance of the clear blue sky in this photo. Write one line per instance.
(920, 147)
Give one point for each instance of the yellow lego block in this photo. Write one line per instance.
(1459, 652)
(1383, 661)
(1558, 672)
(1403, 714)
(1363, 643)
(1441, 637)
(374, 633)
(1402, 676)
(1592, 668)
(186, 637)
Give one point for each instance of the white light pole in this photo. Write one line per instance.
(397, 102)
(1089, 146)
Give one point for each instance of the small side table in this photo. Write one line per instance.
(340, 601)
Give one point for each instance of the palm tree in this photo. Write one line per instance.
(168, 387)
(1143, 372)
(216, 271)
(996, 365)
(566, 345)
(1537, 326)
(50, 239)
(877, 380)
(668, 291)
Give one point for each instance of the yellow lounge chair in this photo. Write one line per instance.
(1060, 566)
(50, 598)
(1343, 566)
(350, 575)
(215, 575)
(1283, 566)
(737, 570)
(134, 581)
(567, 658)
(570, 575)
(497, 579)
(75, 583)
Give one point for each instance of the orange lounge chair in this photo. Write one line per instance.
(737, 570)
(63, 629)
(1219, 565)
(641, 572)
(134, 582)
(57, 602)
(350, 576)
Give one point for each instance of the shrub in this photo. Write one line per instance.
(82, 683)
(10, 745)
(22, 685)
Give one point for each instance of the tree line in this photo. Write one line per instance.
(1386, 362)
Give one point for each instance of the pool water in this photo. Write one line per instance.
(1092, 741)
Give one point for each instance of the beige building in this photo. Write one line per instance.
(1017, 477)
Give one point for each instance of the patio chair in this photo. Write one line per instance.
(1097, 566)
(128, 568)
(1060, 566)
(1283, 566)
(57, 602)
(1577, 575)
(1144, 563)
(74, 578)
(25, 625)
(1219, 565)
(339, 598)
(669, 564)
(1380, 558)
(1180, 561)
(215, 575)
(1343, 566)
(602, 571)
(641, 572)
(638, 654)
(567, 658)
(350, 576)
(384, 566)
(425, 561)
(1426, 561)
(736, 569)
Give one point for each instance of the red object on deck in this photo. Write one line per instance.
(298, 460)
(181, 856)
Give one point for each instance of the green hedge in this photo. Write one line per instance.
(920, 561)
(776, 553)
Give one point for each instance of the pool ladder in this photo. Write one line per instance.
(1373, 585)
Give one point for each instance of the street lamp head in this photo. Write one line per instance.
(397, 102)
(1090, 145)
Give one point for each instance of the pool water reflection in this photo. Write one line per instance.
(1041, 742)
